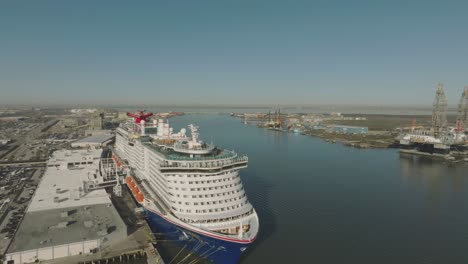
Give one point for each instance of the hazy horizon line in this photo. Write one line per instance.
(218, 105)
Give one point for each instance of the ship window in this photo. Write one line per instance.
(194, 196)
(195, 203)
(190, 182)
(187, 203)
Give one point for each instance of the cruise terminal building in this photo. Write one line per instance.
(65, 218)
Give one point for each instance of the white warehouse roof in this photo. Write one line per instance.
(93, 141)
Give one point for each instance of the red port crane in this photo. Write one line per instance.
(139, 115)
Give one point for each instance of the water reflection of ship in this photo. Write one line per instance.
(427, 173)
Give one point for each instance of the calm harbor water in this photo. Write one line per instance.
(326, 203)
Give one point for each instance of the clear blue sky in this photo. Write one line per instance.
(267, 52)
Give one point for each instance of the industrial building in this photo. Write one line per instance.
(340, 129)
(69, 214)
(90, 132)
(96, 141)
(97, 121)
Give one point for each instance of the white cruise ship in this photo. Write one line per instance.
(191, 191)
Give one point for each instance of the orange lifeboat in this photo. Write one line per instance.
(117, 161)
(140, 197)
(135, 190)
(138, 194)
(130, 182)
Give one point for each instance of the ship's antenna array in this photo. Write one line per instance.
(194, 132)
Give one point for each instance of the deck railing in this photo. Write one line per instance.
(205, 164)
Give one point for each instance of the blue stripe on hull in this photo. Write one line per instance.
(214, 250)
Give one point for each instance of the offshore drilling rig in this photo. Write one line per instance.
(273, 122)
(439, 112)
(440, 140)
(462, 119)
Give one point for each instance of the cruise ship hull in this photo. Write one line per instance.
(215, 250)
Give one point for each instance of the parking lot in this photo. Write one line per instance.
(17, 186)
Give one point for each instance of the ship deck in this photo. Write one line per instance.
(170, 154)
